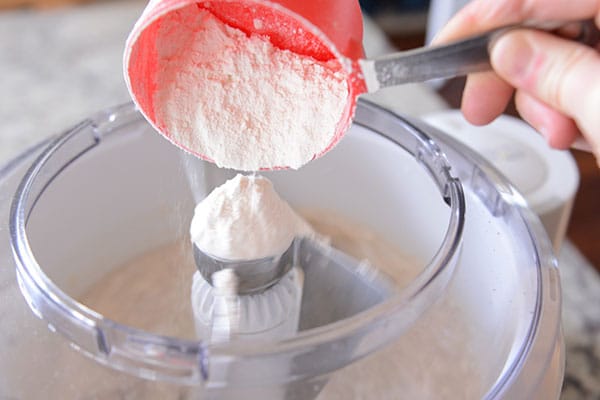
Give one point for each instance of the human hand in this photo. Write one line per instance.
(557, 81)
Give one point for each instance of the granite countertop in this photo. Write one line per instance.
(60, 66)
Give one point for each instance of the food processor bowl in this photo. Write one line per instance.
(101, 215)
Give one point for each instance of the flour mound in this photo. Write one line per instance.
(238, 100)
(246, 219)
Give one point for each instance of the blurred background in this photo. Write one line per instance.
(60, 61)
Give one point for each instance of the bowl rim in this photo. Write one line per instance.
(187, 361)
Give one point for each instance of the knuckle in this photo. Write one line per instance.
(556, 83)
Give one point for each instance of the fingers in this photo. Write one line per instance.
(481, 15)
(559, 130)
(485, 97)
(558, 82)
(560, 74)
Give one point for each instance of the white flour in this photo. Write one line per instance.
(245, 219)
(238, 100)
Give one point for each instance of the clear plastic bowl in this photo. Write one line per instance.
(111, 190)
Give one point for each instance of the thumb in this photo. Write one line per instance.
(563, 74)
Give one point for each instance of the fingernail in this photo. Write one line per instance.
(512, 57)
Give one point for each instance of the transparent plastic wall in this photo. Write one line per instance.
(490, 331)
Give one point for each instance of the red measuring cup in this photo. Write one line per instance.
(323, 29)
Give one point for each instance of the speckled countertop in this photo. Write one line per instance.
(57, 67)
